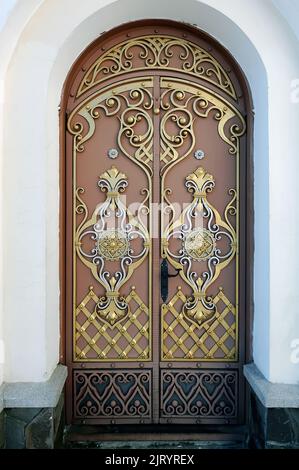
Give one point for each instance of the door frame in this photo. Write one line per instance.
(249, 202)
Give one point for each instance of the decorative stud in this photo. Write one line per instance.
(112, 153)
(199, 154)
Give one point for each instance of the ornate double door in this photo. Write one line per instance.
(154, 234)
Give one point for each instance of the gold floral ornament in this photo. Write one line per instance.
(112, 307)
(199, 245)
(111, 244)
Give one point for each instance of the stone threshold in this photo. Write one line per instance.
(34, 394)
(271, 395)
(170, 445)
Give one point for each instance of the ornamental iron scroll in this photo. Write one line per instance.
(157, 52)
(112, 244)
(198, 244)
(182, 104)
(112, 394)
(132, 103)
(203, 394)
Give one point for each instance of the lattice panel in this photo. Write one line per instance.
(200, 394)
(112, 394)
(213, 340)
(127, 340)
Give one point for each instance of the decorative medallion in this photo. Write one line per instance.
(112, 153)
(199, 244)
(112, 244)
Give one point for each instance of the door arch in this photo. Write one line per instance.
(155, 113)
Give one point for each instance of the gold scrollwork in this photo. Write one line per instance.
(199, 244)
(205, 250)
(183, 102)
(111, 244)
(132, 103)
(157, 52)
(111, 253)
(170, 144)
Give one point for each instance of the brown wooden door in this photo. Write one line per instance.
(155, 232)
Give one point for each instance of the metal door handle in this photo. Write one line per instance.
(164, 275)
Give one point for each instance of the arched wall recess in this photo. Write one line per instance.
(56, 50)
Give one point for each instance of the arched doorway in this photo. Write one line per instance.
(156, 200)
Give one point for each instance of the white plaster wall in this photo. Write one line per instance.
(14, 15)
(289, 9)
(46, 46)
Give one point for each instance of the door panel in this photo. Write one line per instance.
(153, 186)
(200, 195)
(112, 263)
(112, 228)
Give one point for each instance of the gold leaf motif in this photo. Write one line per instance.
(112, 313)
(200, 177)
(114, 176)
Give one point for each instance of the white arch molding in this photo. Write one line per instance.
(48, 44)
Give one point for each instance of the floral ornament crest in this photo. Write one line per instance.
(199, 244)
(111, 256)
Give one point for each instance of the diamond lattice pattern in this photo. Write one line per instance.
(184, 340)
(95, 340)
